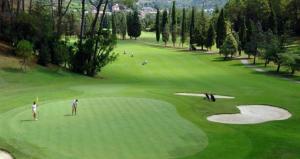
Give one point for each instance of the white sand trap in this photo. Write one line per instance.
(259, 70)
(245, 62)
(252, 114)
(5, 155)
(203, 95)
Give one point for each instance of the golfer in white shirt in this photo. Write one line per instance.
(34, 111)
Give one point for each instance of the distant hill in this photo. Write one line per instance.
(208, 4)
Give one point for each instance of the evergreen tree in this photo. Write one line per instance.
(165, 28)
(229, 47)
(192, 29)
(129, 24)
(136, 25)
(273, 25)
(113, 25)
(105, 23)
(123, 26)
(24, 49)
(221, 29)
(157, 25)
(211, 35)
(237, 38)
(256, 41)
(183, 28)
(201, 36)
(173, 24)
(44, 56)
(243, 33)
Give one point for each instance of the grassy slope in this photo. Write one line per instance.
(172, 71)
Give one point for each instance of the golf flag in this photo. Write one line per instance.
(37, 99)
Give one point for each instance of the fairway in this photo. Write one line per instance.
(106, 128)
(131, 110)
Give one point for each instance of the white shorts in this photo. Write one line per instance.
(34, 111)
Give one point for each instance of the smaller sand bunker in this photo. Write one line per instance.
(252, 114)
(203, 95)
(5, 155)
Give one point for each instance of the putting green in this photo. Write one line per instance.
(110, 128)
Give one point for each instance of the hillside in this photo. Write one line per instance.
(208, 4)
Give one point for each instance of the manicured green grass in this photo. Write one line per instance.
(128, 111)
(106, 128)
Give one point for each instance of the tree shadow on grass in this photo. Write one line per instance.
(12, 70)
(284, 75)
(228, 59)
(27, 120)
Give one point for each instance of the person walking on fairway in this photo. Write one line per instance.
(34, 111)
(74, 106)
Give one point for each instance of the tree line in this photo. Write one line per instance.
(259, 28)
(41, 29)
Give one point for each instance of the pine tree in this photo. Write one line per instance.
(229, 47)
(183, 28)
(173, 24)
(192, 29)
(211, 35)
(221, 29)
(165, 27)
(113, 26)
(157, 25)
(136, 25)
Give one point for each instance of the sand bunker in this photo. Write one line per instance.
(203, 95)
(5, 155)
(252, 114)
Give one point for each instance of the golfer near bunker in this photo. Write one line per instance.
(249, 114)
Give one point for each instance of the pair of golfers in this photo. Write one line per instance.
(34, 109)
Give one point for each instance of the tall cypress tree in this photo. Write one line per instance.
(243, 33)
(157, 26)
(221, 29)
(173, 24)
(192, 29)
(113, 26)
(123, 26)
(165, 27)
(183, 28)
(136, 25)
(129, 24)
(202, 30)
(211, 35)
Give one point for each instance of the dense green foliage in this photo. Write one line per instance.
(211, 35)
(230, 46)
(24, 50)
(136, 25)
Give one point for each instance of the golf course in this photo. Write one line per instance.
(131, 111)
